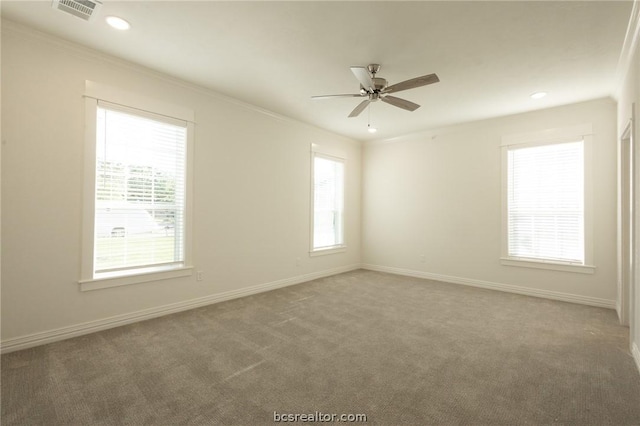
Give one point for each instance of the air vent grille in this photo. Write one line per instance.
(85, 9)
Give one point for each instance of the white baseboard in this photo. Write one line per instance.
(527, 291)
(41, 338)
(635, 352)
(37, 339)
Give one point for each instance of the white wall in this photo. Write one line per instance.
(252, 188)
(438, 194)
(628, 95)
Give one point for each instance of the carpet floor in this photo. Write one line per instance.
(399, 350)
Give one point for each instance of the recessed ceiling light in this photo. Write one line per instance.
(371, 129)
(117, 23)
(538, 95)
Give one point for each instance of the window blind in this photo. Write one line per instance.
(328, 199)
(546, 202)
(140, 190)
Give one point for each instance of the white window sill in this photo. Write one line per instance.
(328, 250)
(135, 278)
(545, 264)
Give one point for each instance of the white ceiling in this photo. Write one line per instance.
(490, 56)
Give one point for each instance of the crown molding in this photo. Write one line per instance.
(629, 48)
(9, 28)
(481, 125)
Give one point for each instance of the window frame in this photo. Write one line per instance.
(145, 107)
(338, 248)
(583, 133)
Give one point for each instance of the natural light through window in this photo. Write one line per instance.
(328, 202)
(545, 196)
(140, 192)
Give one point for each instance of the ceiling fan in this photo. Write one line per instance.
(376, 89)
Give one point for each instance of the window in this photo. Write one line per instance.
(136, 205)
(328, 204)
(140, 185)
(546, 202)
(545, 208)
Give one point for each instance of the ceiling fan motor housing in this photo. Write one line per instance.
(379, 83)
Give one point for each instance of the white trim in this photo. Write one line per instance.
(508, 288)
(130, 100)
(477, 125)
(548, 136)
(635, 352)
(631, 38)
(96, 96)
(329, 151)
(589, 216)
(582, 132)
(189, 193)
(13, 28)
(37, 339)
(625, 243)
(328, 250)
(134, 277)
(141, 112)
(343, 245)
(89, 189)
(545, 264)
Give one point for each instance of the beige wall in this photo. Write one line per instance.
(438, 195)
(252, 192)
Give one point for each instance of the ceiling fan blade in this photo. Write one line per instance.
(358, 95)
(363, 76)
(400, 103)
(414, 82)
(361, 107)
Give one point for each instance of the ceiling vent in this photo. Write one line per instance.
(85, 9)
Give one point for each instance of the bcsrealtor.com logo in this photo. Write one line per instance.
(319, 417)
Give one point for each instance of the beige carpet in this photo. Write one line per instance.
(400, 350)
